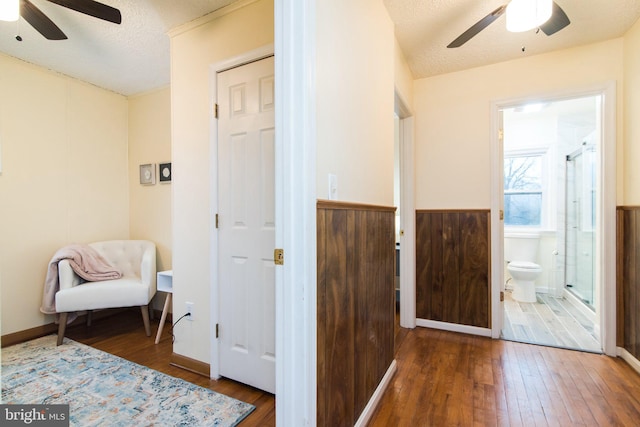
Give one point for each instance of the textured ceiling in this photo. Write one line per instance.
(134, 57)
(129, 58)
(425, 27)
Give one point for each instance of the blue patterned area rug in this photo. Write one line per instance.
(105, 390)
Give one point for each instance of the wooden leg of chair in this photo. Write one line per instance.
(89, 317)
(145, 319)
(62, 326)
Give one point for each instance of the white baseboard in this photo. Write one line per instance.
(453, 327)
(628, 357)
(368, 410)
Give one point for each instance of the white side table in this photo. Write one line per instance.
(164, 284)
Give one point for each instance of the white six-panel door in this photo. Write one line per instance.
(246, 224)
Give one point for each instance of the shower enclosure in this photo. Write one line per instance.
(580, 224)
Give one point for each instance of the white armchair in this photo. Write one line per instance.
(135, 259)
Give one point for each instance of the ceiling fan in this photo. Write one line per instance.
(45, 26)
(557, 21)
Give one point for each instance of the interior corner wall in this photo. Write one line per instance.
(355, 100)
(150, 205)
(403, 76)
(631, 175)
(64, 178)
(193, 51)
(453, 117)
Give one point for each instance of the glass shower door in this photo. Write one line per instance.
(580, 231)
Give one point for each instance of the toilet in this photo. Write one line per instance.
(520, 253)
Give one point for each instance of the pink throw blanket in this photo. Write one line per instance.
(85, 261)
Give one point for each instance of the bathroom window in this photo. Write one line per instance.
(523, 196)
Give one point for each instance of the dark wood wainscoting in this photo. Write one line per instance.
(453, 266)
(628, 279)
(356, 253)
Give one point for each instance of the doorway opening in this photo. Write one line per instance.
(552, 204)
(404, 192)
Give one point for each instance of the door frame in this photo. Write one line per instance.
(407, 215)
(214, 69)
(606, 226)
(296, 229)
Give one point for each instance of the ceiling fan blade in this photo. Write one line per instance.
(558, 21)
(40, 22)
(477, 27)
(92, 8)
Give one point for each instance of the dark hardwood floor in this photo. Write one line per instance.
(123, 335)
(443, 379)
(450, 379)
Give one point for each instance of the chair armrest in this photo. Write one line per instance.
(67, 277)
(148, 268)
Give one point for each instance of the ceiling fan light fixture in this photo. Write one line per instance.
(525, 15)
(9, 10)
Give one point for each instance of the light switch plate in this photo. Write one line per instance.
(333, 187)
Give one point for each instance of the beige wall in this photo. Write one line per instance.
(193, 51)
(453, 117)
(64, 178)
(631, 159)
(355, 96)
(150, 205)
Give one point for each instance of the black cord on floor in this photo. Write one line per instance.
(173, 337)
